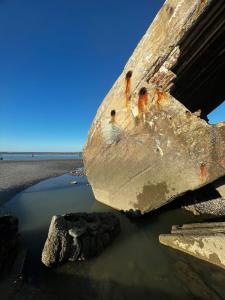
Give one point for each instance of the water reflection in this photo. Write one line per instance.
(134, 266)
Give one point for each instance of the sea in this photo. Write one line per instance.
(39, 156)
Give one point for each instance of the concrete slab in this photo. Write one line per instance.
(205, 241)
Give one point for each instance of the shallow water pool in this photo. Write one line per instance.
(134, 266)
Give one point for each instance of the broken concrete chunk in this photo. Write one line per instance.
(78, 236)
(205, 241)
(56, 249)
(219, 185)
(149, 142)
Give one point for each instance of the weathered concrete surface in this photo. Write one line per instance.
(213, 207)
(78, 236)
(219, 185)
(145, 148)
(205, 241)
(207, 201)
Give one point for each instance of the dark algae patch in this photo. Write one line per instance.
(150, 195)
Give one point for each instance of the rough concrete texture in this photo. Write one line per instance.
(78, 236)
(219, 185)
(207, 201)
(205, 241)
(145, 148)
(213, 207)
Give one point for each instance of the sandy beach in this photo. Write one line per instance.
(18, 175)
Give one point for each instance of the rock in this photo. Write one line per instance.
(78, 172)
(73, 182)
(147, 146)
(78, 236)
(75, 247)
(58, 243)
(76, 232)
(205, 241)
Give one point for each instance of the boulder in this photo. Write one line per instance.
(58, 243)
(78, 236)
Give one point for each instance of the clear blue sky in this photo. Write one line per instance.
(58, 59)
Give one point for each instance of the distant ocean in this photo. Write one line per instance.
(39, 156)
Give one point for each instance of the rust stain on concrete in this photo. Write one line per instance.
(142, 101)
(203, 172)
(127, 87)
(160, 97)
(113, 116)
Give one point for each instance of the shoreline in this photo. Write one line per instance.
(15, 176)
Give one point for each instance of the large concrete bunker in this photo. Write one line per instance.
(150, 141)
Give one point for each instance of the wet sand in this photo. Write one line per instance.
(18, 175)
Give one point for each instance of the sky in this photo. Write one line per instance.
(58, 59)
(218, 114)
